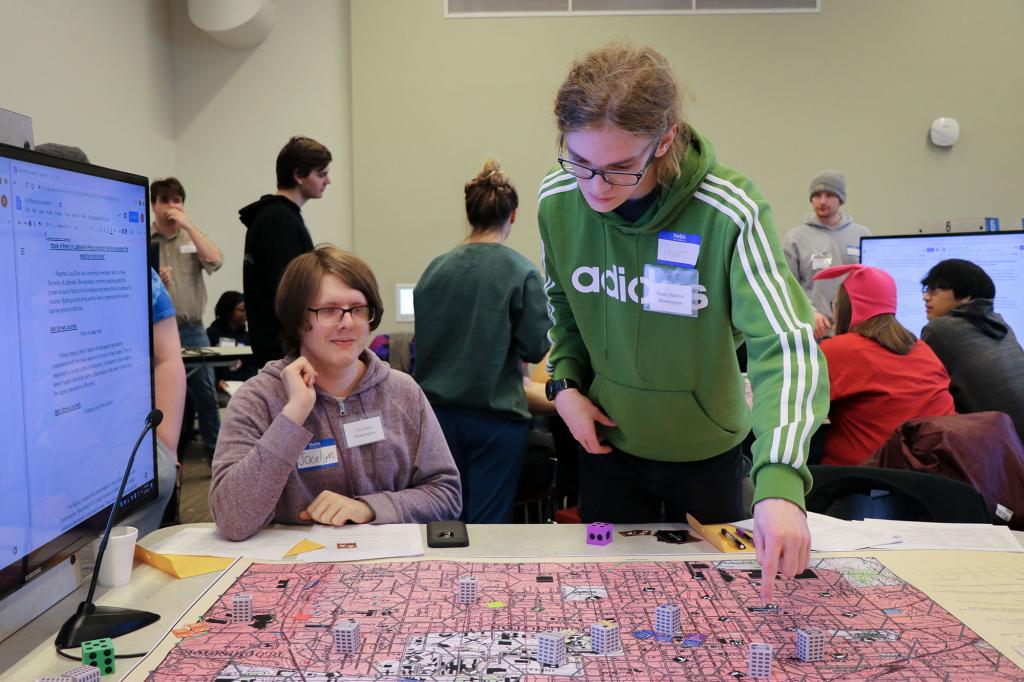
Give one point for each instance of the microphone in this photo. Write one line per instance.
(94, 622)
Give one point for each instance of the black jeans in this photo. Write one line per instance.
(621, 488)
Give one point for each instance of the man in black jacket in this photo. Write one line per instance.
(276, 234)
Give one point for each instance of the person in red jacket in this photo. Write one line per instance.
(880, 374)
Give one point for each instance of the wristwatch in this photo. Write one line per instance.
(553, 386)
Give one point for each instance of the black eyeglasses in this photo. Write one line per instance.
(932, 288)
(618, 178)
(332, 315)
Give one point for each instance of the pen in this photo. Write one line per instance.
(735, 540)
(744, 534)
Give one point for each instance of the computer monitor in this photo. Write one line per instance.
(909, 258)
(404, 311)
(75, 355)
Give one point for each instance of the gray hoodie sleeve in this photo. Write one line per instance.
(435, 491)
(255, 456)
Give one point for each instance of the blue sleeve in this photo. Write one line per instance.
(163, 307)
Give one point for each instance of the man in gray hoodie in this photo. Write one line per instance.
(827, 237)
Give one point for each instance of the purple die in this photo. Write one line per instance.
(599, 533)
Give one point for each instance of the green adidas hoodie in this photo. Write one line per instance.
(672, 383)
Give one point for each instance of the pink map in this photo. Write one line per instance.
(414, 628)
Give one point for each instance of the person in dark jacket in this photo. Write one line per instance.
(229, 330)
(980, 351)
(276, 233)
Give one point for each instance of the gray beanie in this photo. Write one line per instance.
(830, 181)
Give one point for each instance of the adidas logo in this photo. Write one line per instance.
(588, 279)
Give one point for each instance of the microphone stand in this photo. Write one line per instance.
(94, 622)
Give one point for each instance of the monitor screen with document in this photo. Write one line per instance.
(75, 355)
(909, 257)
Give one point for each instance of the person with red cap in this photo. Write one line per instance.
(880, 374)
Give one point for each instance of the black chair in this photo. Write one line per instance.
(538, 481)
(856, 493)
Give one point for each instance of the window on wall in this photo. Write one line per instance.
(519, 8)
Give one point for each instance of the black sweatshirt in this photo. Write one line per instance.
(276, 234)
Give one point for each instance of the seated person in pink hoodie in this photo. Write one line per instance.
(330, 434)
(879, 374)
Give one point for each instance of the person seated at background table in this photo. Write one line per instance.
(228, 329)
(330, 433)
(980, 351)
(879, 373)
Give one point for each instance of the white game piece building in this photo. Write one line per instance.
(467, 589)
(810, 644)
(83, 673)
(241, 608)
(760, 664)
(346, 637)
(605, 637)
(666, 620)
(551, 648)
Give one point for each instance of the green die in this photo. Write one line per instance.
(99, 653)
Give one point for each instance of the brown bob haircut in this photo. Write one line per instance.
(301, 281)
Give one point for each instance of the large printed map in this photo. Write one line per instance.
(413, 627)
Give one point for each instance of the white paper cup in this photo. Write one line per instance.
(116, 567)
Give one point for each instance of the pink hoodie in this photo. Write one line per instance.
(409, 477)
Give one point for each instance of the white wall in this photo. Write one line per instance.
(411, 103)
(782, 97)
(96, 75)
(235, 108)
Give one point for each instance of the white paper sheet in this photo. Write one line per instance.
(357, 543)
(267, 544)
(829, 534)
(232, 386)
(971, 536)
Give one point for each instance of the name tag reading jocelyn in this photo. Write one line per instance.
(363, 431)
(318, 455)
(189, 248)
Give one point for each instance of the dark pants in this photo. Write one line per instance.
(489, 453)
(201, 388)
(621, 488)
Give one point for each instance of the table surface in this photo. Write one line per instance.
(214, 353)
(30, 653)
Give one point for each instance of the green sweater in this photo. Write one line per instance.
(480, 313)
(672, 383)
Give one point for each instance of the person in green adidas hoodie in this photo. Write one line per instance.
(659, 262)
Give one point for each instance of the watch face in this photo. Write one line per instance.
(550, 389)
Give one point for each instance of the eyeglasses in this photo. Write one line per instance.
(618, 178)
(333, 316)
(930, 289)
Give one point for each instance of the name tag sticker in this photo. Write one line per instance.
(363, 431)
(319, 454)
(820, 261)
(670, 290)
(678, 248)
(188, 248)
(853, 251)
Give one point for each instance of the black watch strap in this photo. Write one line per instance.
(553, 386)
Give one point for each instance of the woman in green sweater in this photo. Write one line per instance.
(659, 262)
(480, 315)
